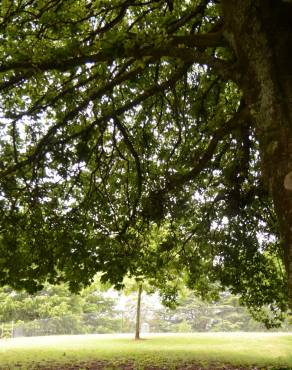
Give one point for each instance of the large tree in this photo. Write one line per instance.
(116, 115)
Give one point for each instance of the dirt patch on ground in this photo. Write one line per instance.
(99, 365)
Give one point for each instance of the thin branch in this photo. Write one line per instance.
(135, 155)
(111, 24)
(15, 80)
(48, 138)
(96, 94)
(201, 160)
(153, 90)
(212, 39)
(198, 11)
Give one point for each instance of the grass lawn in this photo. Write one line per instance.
(246, 349)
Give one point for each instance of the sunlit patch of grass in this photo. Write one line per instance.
(261, 349)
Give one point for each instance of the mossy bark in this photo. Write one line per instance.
(260, 33)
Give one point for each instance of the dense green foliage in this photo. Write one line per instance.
(126, 148)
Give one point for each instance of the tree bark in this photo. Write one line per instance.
(260, 33)
(138, 313)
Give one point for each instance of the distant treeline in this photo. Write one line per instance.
(55, 310)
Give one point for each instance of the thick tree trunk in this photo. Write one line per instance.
(138, 313)
(260, 32)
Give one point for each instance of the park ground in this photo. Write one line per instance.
(154, 351)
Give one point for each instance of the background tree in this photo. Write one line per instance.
(119, 115)
(194, 315)
(54, 310)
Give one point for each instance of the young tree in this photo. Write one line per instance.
(134, 286)
(155, 271)
(138, 312)
(116, 115)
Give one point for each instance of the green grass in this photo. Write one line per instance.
(261, 349)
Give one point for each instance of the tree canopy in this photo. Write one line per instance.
(119, 117)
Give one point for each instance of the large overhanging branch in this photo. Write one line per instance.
(186, 48)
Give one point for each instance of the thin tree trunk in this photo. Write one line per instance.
(138, 313)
